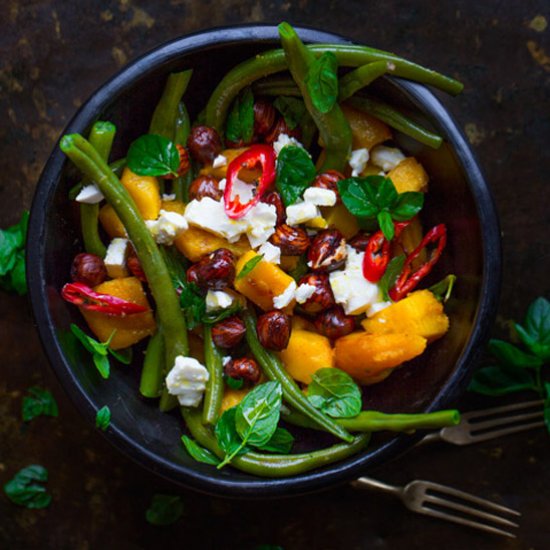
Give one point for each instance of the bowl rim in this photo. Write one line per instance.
(328, 476)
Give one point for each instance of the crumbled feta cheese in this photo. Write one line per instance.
(168, 197)
(226, 359)
(282, 141)
(187, 381)
(272, 253)
(90, 194)
(301, 212)
(219, 161)
(242, 190)
(217, 299)
(358, 161)
(221, 184)
(304, 292)
(115, 258)
(167, 227)
(350, 288)
(261, 221)
(210, 215)
(283, 299)
(386, 158)
(319, 196)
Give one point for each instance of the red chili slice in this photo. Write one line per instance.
(82, 295)
(262, 155)
(408, 279)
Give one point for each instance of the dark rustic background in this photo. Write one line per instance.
(55, 53)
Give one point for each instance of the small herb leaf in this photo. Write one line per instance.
(39, 402)
(407, 206)
(395, 267)
(226, 434)
(240, 121)
(322, 82)
(513, 356)
(123, 356)
(103, 418)
(335, 393)
(281, 442)
(193, 303)
(249, 266)
(102, 365)
(164, 510)
(200, 454)
(234, 383)
(12, 256)
(535, 332)
(386, 224)
(295, 171)
(500, 380)
(93, 346)
(443, 289)
(292, 109)
(22, 490)
(153, 155)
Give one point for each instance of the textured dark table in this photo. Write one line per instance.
(55, 53)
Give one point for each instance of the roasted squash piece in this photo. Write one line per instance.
(366, 130)
(111, 222)
(129, 328)
(369, 358)
(231, 398)
(306, 353)
(145, 191)
(173, 206)
(339, 217)
(409, 175)
(420, 313)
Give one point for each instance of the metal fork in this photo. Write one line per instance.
(440, 501)
(476, 426)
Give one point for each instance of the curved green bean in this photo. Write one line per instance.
(274, 370)
(151, 381)
(272, 465)
(183, 129)
(214, 387)
(361, 77)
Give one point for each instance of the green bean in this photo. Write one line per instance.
(182, 131)
(101, 137)
(374, 421)
(117, 167)
(334, 129)
(272, 465)
(152, 378)
(86, 158)
(214, 386)
(361, 77)
(396, 120)
(274, 370)
(348, 55)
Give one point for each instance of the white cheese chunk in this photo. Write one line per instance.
(187, 381)
(219, 161)
(282, 141)
(90, 194)
(243, 190)
(301, 212)
(358, 161)
(168, 197)
(319, 196)
(351, 289)
(221, 184)
(115, 258)
(217, 299)
(260, 223)
(272, 253)
(386, 158)
(375, 308)
(283, 299)
(167, 227)
(304, 292)
(226, 359)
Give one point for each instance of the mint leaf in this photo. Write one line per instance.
(22, 490)
(164, 510)
(281, 442)
(227, 437)
(123, 356)
(240, 121)
(335, 393)
(12, 256)
(152, 155)
(249, 266)
(102, 364)
(295, 171)
(322, 82)
(500, 380)
(39, 402)
(513, 356)
(233, 383)
(386, 224)
(200, 454)
(408, 204)
(292, 109)
(395, 267)
(103, 418)
(535, 332)
(193, 304)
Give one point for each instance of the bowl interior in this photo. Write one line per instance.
(457, 197)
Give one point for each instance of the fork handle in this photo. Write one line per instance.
(369, 483)
(430, 438)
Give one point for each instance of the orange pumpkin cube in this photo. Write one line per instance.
(409, 175)
(366, 130)
(194, 243)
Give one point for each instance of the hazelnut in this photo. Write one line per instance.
(329, 180)
(215, 271)
(229, 332)
(334, 323)
(275, 199)
(264, 117)
(205, 186)
(293, 241)
(360, 241)
(185, 163)
(134, 265)
(88, 269)
(328, 250)
(245, 368)
(281, 127)
(322, 298)
(273, 330)
(204, 144)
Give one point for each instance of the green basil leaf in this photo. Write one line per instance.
(164, 510)
(103, 418)
(246, 114)
(217, 316)
(91, 345)
(322, 82)
(281, 442)
(16, 280)
(200, 454)
(301, 268)
(535, 332)
(501, 380)
(443, 289)
(193, 303)
(513, 356)
(39, 403)
(226, 433)
(292, 109)
(258, 413)
(407, 206)
(249, 266)
(234, 383)
(21, 489)
(12, 239)
(335, 393)
(359, 197)
(295, 171)
(123, 356)
(152, 155)
(394, 269)
(386, 196)
(102, 364)
(386, 224)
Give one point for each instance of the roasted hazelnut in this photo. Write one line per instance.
(88, 269)
(215, 271)
(204, 144)
(185, 163)
(275, 199)
(281, 127)
(293, 241)
(329, 180)
(273, 330)
(327, 251)
(334, 323)
(229, 332)
(264, 117)
(359, 242)
(322, 298)
(205, 186)
(244, 368)
(134, 265)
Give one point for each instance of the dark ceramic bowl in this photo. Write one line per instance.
(458, 196)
